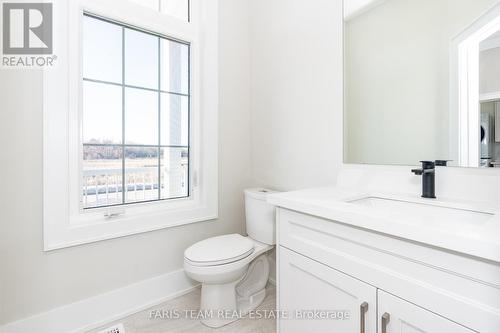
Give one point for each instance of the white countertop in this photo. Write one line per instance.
(480, 238)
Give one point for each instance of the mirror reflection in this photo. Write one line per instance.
(422, 82)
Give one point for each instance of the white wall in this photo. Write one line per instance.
(33, 281)
(352, 8)
(296, 92)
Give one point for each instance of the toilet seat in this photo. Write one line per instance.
(219, 250)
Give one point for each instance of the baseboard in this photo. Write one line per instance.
(100, 310)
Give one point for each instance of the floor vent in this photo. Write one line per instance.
(114, 329)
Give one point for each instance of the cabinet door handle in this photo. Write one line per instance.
(363, 308)
(385, 320)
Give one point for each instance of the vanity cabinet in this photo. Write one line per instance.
(308, 289)
(387, 284)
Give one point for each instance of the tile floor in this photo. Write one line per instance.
(142, 323)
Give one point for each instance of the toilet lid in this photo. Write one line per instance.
(219, 250)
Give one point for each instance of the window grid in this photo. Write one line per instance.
(135, 87)
(159, 91)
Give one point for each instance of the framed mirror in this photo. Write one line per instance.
(422, 82)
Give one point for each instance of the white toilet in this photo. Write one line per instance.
(234, 269)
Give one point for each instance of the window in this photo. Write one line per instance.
(175, 8)
(130, 119)
(135, 96)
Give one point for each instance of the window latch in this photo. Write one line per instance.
(113, 212)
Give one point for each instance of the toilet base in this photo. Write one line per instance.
(218, 301)
(226, 303)
(225, 315)
(249, 304)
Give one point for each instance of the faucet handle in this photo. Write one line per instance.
(427, 167)
(418, 172)
(442, 162)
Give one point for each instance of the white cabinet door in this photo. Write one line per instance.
(308, 290)
(399, 316)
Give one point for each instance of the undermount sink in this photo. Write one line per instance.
(418, 212)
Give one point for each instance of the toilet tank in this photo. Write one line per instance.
(260, 216)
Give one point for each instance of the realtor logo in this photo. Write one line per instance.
(27, 28)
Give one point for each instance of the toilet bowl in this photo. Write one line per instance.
(234, 269)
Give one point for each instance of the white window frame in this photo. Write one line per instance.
(66, 223)
(464, 92)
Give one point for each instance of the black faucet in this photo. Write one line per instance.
(428, 174)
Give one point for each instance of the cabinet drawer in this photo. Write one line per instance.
(460, 288)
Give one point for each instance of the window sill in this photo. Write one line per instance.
(89, 227)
